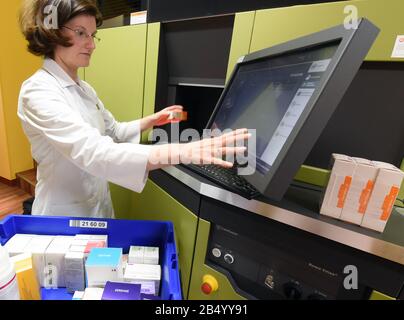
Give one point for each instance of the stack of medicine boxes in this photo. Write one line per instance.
(361, 191)
(108, 266)
(47, 254)
(75, 259)
(81, 261)
(58, 261)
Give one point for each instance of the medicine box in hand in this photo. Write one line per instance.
(178, 116)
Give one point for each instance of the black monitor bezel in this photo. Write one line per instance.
(353, 47)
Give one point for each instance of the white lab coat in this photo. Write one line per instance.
(78, 146)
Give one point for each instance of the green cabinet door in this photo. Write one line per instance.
(81, 73)
(274, 26)
(117, 70)
(150, 80)
(156, 204)
(241, 38)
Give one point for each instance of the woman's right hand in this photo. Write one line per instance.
(206, 151)
(212, 150)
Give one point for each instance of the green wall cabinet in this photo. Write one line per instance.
(256, 30)
(274, 26)
(81, 73)
(241, 38)
(150, 79)
(117, 70)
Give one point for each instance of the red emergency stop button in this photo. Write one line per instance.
(209, 284)
(206, 288)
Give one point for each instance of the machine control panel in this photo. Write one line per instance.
(266, 271)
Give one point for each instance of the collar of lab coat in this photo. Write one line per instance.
(60, 75)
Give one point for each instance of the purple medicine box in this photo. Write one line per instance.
(121, 291)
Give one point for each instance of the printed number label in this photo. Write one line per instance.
(88, 224)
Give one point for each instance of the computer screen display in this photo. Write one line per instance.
(287, 94)
(269, 95)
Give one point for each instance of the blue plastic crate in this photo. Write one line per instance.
(121, 234)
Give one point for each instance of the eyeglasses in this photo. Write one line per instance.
(82, 35)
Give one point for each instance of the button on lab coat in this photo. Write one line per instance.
(78, 146)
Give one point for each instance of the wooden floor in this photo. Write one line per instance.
(11, 199)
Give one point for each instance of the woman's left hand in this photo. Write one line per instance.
(162, 117)
(159, 118)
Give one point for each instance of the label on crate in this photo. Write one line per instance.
(88, 224)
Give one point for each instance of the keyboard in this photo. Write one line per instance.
(226, 178)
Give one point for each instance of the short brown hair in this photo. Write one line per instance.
(43, 40)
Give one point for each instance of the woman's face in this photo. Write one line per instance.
(80, 31)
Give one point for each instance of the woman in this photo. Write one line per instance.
(76, 142)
